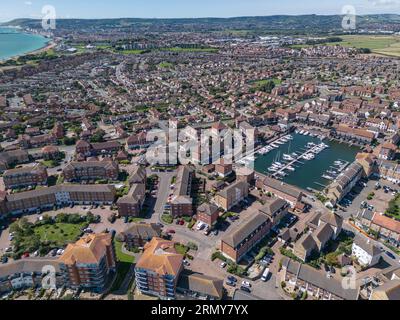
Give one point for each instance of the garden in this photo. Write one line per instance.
(48, 233)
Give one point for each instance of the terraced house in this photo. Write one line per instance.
(182, 202)
(47, 198)
(28, 176)
(89, 262)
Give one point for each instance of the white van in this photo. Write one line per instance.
(265, 275)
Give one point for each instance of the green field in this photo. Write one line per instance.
(122, 257)
(166, 65)
(60, 233)
(385, 45)
(130, 52)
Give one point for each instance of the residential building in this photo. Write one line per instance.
(232, 195)
(27, 273)
(91, 171)
(182, 202)
(208, 213)
(47, 198)
(138, 234)
(344, 183)
(132, 203)
(305, 278)
(201, 286)
(281, 190)
(235, 245)
(275, 209)
(27, 176)
(88, 263)
(158, 269)
(366, 253)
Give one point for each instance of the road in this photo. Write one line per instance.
(164, 189)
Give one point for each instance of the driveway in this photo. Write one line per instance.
(164, 189)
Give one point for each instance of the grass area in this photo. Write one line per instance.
(385, 45)
(130, 52)
(121, 270)
(181, 249)
(121, 256)
(60, 233)
(263, 82)
(167, 218)
(166, 65)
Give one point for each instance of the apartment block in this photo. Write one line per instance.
(28, 176)
(158, 269)
(91, 170)
(89, 262)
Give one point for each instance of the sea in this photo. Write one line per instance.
(14, 42)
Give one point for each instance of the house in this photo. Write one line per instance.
(158, 269)
(275, 209)
(366, 253)
(390, 290)
(323, 228)
(235, 245)
(182, 202)
(281, 190)
(223, 168)
(345, 182)
(138, 234)
(232, 195)
(27, 273)
(88, 263)
(208, 213)
(305, 278)
(132, 203)
(201, 286)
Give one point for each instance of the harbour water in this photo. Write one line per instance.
(14, 43)
(308, 173)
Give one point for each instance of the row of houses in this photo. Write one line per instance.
(47, 198)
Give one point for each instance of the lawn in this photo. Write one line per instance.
(130, 52)
(122, 257)
(60, 233)
(166, 65)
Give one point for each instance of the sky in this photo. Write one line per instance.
(11, 9)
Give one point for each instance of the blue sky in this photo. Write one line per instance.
(10, 9)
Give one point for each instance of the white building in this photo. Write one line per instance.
(366, 253)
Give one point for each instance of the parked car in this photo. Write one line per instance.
(215, 232)
(245, 289)
(4, 260)
(390, 255)
(246, 284)
(171, 231)
(223, 265)
(230, 284)
(232, 279)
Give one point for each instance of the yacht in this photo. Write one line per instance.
(290, 168)
(325, 176)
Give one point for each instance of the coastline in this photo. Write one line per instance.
(49, 44)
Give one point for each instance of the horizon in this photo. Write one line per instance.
(181, 9)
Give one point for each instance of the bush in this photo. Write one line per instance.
(167, 218)
(192, 246)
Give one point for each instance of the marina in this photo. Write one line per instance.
(304, 159)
